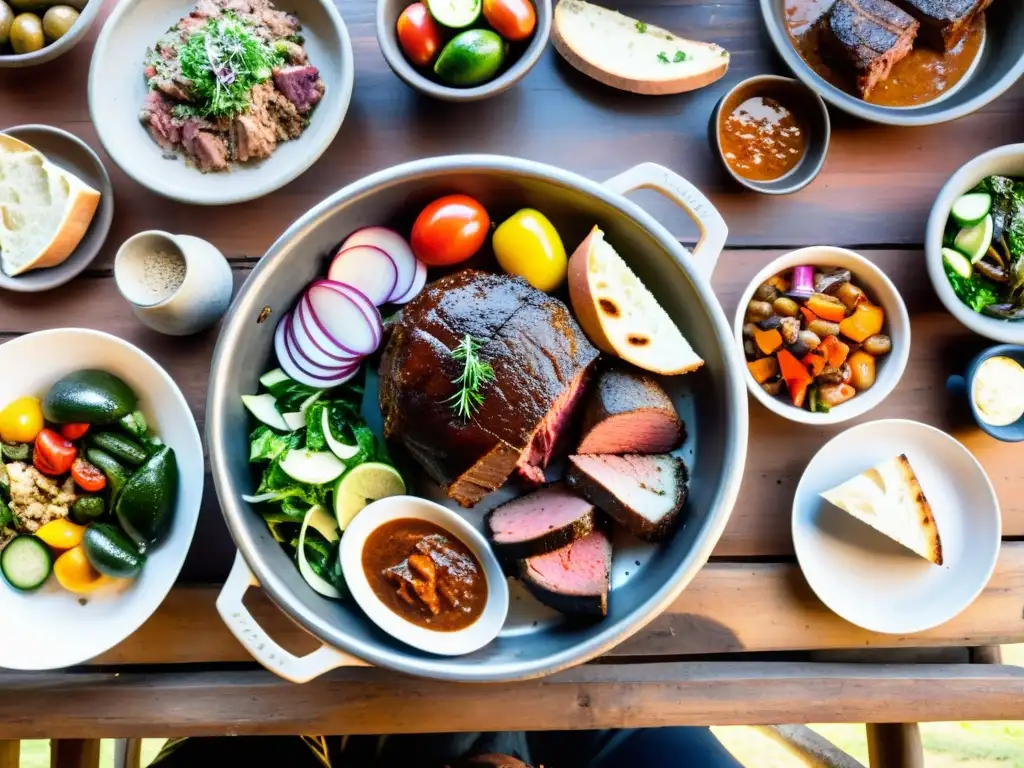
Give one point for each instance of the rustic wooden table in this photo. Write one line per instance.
(743, 643)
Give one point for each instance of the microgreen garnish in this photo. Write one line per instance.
(663, 57)
(475, 373)
(680, 56)
(224, 61)
(641, 27)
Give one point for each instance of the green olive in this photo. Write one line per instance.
(27, 33)
(6, 19)
(58, 20)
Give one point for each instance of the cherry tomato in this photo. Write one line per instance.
(87, 477)
(419, 35)
(53, 454)
(74, 431)
(449, 230)
(512, 19)
(21, 420)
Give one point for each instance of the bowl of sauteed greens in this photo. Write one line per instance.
(975, 244)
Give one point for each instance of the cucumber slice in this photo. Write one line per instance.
(270, 378)
(338, 448)
(320, 519)
(958, 262)
(974, 241)
(456, 14)
(295, 421)
(312, 467)
(264, 408)
(971, 208)
(26, 563)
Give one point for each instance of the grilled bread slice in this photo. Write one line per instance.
(888, 497)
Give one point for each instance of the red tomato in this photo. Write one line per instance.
(449, 230)
(74, 431)
(514, 20)
(53, 454)
(87, 477)
(419, 35)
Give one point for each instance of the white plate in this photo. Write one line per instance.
(52, 628)
(869, 579)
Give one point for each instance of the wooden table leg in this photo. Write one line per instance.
(895, 745)
(10, 753)
(74, 753)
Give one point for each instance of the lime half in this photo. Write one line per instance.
(363, 485)
(470, 58)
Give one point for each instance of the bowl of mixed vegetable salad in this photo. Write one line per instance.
(825, 335)
(101, 477)
(975, 244)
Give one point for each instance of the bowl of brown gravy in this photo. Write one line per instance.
(771, 133)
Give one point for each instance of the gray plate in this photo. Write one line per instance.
(1000, 65)
(74, 155)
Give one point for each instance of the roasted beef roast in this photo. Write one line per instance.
(575, 579)
(868, 37)
(628, 412)
(539, 522)
(944, 22)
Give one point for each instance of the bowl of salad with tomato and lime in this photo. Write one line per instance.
(101, 477)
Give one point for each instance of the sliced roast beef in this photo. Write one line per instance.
(301, 85)
(944, 22)
(207, 151)
(642, 493)
(868, 37)
(575, 579)
(628, 412)
(156, 115)
(540, 359)
(539, 522)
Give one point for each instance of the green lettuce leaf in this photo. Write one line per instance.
(976, 292)
(277, 481)
(6, 516)
(266, 445)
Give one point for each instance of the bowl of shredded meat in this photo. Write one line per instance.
(222, 101)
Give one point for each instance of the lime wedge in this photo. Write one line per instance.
(363, 485)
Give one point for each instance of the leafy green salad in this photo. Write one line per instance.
(319, 466)
(983, 248)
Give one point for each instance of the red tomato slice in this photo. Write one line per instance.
(74, 431)
(449, 230)
(53, 454)
(419, 35)
(88, 477)
(514, 20)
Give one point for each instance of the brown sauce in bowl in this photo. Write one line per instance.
(761, 139)
(922, 77)
(425, 574)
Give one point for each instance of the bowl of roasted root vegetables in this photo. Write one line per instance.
(825, 335)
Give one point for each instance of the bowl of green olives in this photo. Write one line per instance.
(35, 31)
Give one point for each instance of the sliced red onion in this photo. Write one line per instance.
(294, 371)
(802, 285)
(367, 268)
(395, 246)
(309, 359)
(351, 323)
(314, 341)
(417, 284)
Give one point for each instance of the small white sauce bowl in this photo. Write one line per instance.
(472, 638)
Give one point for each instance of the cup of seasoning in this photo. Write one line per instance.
(176, 284)
(994, 386)
(771, 133)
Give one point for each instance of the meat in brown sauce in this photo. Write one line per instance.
(870, 37)
(944, 22)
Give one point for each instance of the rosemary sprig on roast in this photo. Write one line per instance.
(475, 373)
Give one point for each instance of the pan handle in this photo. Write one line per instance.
(713, 230)
(297, 669)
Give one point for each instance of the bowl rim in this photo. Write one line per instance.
(871, 112)
(520, 68)
(609, 634)
(190, 520)
(963, 179)
(896, 360)
(55, 50)
(198, 195)
(767, 187)
(456, 643)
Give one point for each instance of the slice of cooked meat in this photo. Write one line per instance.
(207, 151)
(539, 522)
(869, 37)
(944, 22)
(628, 412)
(541, 361)
(642, 493)
(301, 85)
(156, 115)
(575, 579)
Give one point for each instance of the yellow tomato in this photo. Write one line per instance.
(528, 245)
(21, 420)
(76, 574)
(61, 534)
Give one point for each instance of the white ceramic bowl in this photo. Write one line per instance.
(117, 89)
(51, 628)
(476, 635)
(880, 290)
(1003, 161)
(866, 577)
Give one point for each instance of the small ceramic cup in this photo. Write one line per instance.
(176, 284)
(963, 386)
(806, 106)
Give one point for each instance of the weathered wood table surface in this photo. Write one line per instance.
(743, 643)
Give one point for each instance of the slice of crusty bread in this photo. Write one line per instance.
(888, 497)
(45, 211)
(625, 53)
